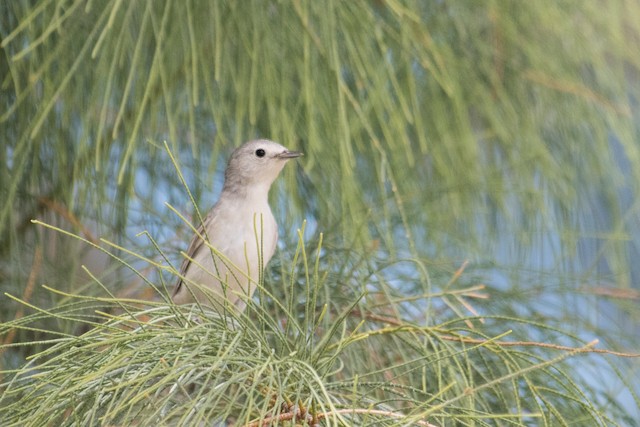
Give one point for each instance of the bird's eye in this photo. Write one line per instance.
(260, 152)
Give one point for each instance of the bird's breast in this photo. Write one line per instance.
(254, 232)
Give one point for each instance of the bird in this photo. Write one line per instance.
(238, 236)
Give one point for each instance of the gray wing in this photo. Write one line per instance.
(195, 246)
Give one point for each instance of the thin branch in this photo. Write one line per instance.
(613, 292)
(387, 414)
(69, 216)
(399, 323)
(576, 89)
(296, 414)
(26, 295)
(586, 349)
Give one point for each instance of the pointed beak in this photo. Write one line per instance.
(289, 154)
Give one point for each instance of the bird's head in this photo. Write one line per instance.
(256, 163)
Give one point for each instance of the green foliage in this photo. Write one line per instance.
(295, 359)
(504, 133)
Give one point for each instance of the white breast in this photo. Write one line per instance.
(243, 239)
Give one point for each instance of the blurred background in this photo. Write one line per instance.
(500, 136)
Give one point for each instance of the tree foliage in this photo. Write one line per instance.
(435, 132)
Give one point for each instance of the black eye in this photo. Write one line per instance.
(260, 152)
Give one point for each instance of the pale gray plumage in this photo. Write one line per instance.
(240, 227)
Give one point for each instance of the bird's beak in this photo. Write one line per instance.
(289, 154)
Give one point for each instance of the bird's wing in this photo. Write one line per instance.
(197, 242)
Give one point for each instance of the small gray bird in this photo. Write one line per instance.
(238, 236)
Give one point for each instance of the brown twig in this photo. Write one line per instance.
(574, 88)
(466, 340)
(613, 292)
(69, 216)
(26, 295)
